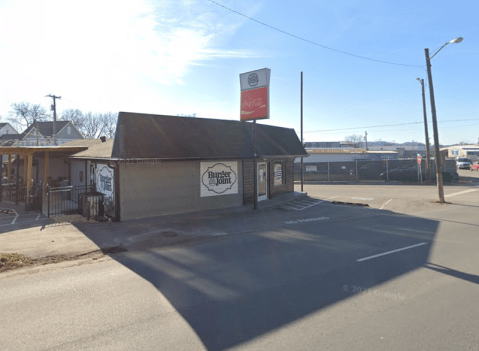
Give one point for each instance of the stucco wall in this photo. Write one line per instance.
(148, 190)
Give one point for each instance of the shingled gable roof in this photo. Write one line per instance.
(143, 136)
(46, 128)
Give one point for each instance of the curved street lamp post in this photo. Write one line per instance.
(437, 153)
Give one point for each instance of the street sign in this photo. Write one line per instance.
(419, 159)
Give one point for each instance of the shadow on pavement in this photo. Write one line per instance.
(241, 287)
(452, 272)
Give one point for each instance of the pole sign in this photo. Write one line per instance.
(255, 94)
(419, 159)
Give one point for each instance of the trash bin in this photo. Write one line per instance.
(447, 177)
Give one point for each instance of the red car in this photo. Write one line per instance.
(475, 166)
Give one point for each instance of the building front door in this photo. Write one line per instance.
(262, 181)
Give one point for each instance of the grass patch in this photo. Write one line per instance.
(10, 261)
(13, 260)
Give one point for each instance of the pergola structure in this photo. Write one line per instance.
(27, 153)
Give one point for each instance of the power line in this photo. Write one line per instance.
(312, 42)
(388, 125)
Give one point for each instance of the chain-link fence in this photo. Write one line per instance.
(385, 170)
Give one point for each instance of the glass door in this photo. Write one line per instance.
(262, 181)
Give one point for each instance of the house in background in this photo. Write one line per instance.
(37, 134)
(41, 134)
(6, 128)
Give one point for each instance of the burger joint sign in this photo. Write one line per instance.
(255, 94)
(218, 178)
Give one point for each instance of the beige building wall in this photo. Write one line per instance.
(155, 189)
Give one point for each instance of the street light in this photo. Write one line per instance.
(437, 153)
(428, 168)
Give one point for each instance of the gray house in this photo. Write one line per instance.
(41, 134)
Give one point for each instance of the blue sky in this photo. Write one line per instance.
(185, 57)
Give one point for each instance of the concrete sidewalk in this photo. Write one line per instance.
(80, 238)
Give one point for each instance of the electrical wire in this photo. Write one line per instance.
(312, 42)
(388, 125)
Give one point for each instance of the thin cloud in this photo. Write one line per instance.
(97, 55)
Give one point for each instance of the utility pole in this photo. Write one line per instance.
(366, 139)
(54, 108)
(428, 168)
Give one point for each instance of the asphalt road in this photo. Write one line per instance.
(400, 274)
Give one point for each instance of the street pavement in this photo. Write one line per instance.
(401, 273)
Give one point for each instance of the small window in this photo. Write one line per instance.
(278, 173)
(69, 130)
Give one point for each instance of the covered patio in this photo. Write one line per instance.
(28, 188)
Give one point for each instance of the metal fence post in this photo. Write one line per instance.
(48, 196)
(328, 171)
(356, 170)
(387, 170)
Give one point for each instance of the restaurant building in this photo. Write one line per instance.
(166, 164)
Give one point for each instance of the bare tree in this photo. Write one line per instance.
(76, 117)
(93, 127)
(355, 139)
(23, 114)
(109, 120)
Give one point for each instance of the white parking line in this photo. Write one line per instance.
(462, 192)
(291, 207)
(16, 216)
(384, 204)
(312, 205)
(390, 252)
(38, 216)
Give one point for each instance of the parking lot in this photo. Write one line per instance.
(392, 275)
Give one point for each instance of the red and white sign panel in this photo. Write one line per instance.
(255, 94)
(418, 159)
(254, 104)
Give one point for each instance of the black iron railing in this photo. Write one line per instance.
(74, 200)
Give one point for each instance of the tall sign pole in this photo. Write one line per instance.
(255, 105)
(255, 172)
(302, 144)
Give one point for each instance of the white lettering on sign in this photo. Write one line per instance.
(311, 168)
(104, 180)
(105, 184)
(218, 178)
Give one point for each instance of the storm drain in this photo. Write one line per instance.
(349, 203)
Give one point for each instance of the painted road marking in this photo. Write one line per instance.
(34, 220)
(384, 204)
(300, 204)
(462, 192)
(362, 198)
(390, 252)
(305, 220)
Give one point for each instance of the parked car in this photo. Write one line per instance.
(475, 166)
(463, 163)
